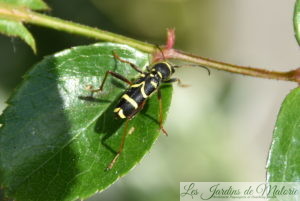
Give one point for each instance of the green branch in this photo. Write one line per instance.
(27, 16)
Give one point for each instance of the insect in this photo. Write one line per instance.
(134, 98)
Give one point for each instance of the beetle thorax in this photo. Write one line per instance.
(163, 69)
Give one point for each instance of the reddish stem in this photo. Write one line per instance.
(168, 52)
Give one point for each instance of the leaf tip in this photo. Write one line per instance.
(297, 21)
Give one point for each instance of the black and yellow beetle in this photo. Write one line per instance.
(134, 98)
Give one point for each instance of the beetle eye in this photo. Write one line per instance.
(173, 69)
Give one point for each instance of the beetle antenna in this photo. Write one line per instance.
(193, 65)
(162, 53)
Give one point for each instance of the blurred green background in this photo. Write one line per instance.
(220, 128)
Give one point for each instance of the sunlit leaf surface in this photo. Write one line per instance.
(55, 143)
(284, 159)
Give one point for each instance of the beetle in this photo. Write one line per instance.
(134, 98)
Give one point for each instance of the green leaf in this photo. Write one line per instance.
(297, 20)
(31, 4)
(14, 28)
(55, 144)
(284, 158)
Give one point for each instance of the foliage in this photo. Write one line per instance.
(56, 143)
(15, 28)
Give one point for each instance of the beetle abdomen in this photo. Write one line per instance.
(135, 96)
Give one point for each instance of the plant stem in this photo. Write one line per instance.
(25, 15)
(293, 75)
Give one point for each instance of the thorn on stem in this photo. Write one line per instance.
(167, 50)
(170, 38)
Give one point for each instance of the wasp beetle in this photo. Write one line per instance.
(134, 98)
